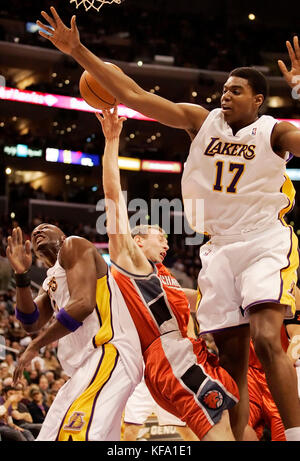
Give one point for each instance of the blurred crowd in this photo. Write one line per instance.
(23, 406)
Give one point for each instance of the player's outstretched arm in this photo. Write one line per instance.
(186, 116)
(32, 313)
(116, 210)
(122, 248)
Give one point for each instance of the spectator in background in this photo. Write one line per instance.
(4, 371)
(20, 411)
(51, 397)
(44, 386)
(57, 384)
(3, 310)
(38, 364)
(17, 412)
(10, 300)
(15, 332)
(38, 407)
(8, 430)
(9, 359)
(5, 270)
(50, 375)
(50, 361)
(33, 377)
(178, 270)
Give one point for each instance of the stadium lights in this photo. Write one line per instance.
(67, 102)
(61, 102)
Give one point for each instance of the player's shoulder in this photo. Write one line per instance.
(284, 126)
(74, 241)
(75, 246)
(280, 129)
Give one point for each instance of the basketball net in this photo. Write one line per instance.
(96, 4)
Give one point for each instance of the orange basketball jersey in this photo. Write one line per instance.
(156, 302)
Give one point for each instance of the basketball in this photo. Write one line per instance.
(94, 94)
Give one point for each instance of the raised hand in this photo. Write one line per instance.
(292, 76)
(64, 38)
(18, 254)
(111, 124)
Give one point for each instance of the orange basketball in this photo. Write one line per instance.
(94, 94)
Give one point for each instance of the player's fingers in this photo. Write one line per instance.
(14, 236)
(55, 15)
(17, 373)
(45, 28)
(28, 247)
(19, 236)
(44, 35)
(8, 251)
(73, 23)
(296, 46)
(291, 52)
(106, 113)
(99, 117)
(282, 67)
(48, 18)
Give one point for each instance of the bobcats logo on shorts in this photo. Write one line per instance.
(213, 399)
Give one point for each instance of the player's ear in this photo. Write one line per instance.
(259, 100)
(139, 240)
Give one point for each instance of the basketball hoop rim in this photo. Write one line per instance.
(88, 4)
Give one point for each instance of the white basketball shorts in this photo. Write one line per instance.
(242, 271)
(89, 406)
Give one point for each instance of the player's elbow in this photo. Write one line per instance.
(132, 97)
(90, 308)
(85, 306)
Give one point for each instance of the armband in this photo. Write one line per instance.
(67, 321)
(22, 280)
(28, 319)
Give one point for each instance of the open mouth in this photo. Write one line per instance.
(163, 254)
(226, 108)
(39, 239)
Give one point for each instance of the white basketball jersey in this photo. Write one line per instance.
(109, 322)
(234, 183)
